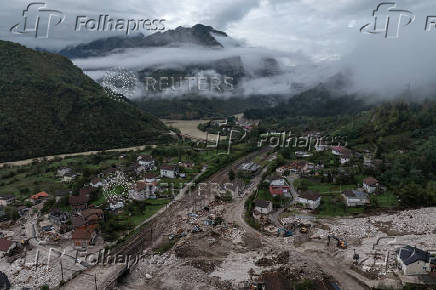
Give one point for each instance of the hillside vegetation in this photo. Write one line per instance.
(48, 106)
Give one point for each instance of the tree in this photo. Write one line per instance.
(231, 175)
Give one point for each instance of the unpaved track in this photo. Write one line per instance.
(152, 234)
(326, 262)
(62, 156)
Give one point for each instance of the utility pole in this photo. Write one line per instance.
(62, 269)
(95, 281)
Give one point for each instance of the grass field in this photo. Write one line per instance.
(334, 206)
(387, 200)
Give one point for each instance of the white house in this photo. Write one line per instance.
(337, 150)
(69, 177)
(6, 200)
(303, 154)
(116, 205)
(96, 182)
(345, 158)
(355, 198)
(146, 161)
(263, 206)
(169, 171)
(152, 177)
(370, 184)
(320, 147)
(414, 261)
(63, 170)
(143, 190)
(308, 199)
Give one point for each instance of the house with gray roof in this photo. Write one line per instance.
(414, 261)
(355, 198)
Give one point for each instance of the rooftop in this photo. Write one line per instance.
(279, 182)
(370, 181)
(355, 194)
(409, 255)
(262, 203)
(309, 195)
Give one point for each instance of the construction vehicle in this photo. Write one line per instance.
(180, 233)
(341, 243)
(196, 229)
(355, 257)
(286, 233)
(304, 229)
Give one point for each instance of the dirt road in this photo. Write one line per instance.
(326, 262)
(62, 156)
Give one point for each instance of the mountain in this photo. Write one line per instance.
(201, 35)
(48, 106)
(171, 54)
(203, 108)
(316, 102)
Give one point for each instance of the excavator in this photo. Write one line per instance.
(304, 229)
(342, 244)
(286, 233)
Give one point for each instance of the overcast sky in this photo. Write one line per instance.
(318, 29)
(323, 29)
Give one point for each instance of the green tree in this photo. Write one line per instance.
(231, 175)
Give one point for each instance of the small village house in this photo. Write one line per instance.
(39, 196)
(143, 190)
(344, 154)
(308, 199)
(116, 205)
(345, 158)
(186, 164)
(303, 154)
(78, 221)
(146, 161)
(355, 198)
(414, 261)
(169, 171)
(152, 177)
(92, 216)
(58, 216)
(370, 184)
(279, 187)
(61, 172)
(79, 202)
(69, 177)
(249, 168)
(83, 237)
(321, 147)
(7, 246)
(263, 206)
(96, 182)
(7, 200)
